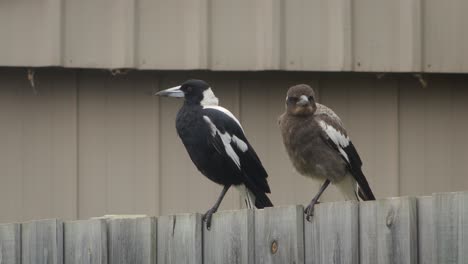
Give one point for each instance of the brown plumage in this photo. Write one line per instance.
(319, 146)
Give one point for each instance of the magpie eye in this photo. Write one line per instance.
(292, 99)
(310, 98)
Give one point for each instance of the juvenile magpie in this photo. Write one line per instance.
(216, 143)
(319, 147)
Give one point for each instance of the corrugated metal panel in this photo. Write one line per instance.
(445, 36)
(387, 35)
(317, 35)
(172, 34)
(38, 157)
(98, 34)
(91, 143)
(303, 35)
(30, 33)
(118, 140)
(242, 35)
(433, 129)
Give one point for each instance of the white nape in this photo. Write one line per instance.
(209, 98)
(226, 138)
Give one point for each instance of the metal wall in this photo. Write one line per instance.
(304, 35)
(85, 143)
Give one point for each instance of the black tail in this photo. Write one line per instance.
(364, 190)
(262, 200)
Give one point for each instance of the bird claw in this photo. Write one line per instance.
(309, 210)
(207, 218)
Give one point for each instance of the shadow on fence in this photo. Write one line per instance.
(430, 229)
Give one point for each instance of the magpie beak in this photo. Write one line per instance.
(303, 101)
(171, 92)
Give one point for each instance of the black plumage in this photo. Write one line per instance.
(216, 143)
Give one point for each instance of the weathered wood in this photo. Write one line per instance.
(42, 242)
(332, 236)
(10, 244)
(388, 231)
(279, 236)
(450, 212)
(230, 239)
(180, 239)
(425, 230)
(85, 242)
(132, 240)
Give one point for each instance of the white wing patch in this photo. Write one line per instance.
(227, 139)
(337, 137)
(224, 110)
(240, 143)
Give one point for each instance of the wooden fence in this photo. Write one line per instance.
(430, 229)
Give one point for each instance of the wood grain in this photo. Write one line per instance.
(332, 236)
(388, 231)
(230, 239)
(279, 235)
(180, 239)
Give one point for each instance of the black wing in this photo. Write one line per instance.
(336, 137)
(229, 140)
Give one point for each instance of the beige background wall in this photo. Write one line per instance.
(304, 35)
(89, 143)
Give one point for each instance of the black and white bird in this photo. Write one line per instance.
(216, 143)
(319, 147)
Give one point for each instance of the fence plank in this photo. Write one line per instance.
(279, 235)
(450, 212)
(388, 231)
(180, 239)
(10, 244)
(230, 239)
(425, 230)
(333, 234)
(131, 240)
(42, 242)
(85, 242)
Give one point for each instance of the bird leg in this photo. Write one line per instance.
(207, 216)
(309, 211)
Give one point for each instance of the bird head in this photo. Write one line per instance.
(300, 100)
(194, 91)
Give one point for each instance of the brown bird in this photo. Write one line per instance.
(319, 146)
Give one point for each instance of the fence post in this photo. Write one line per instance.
(42, 242)
(425, 230)
(332, 236)
(10, 243)
(450, 212)
(388, 231)
(279, 235)
(131, 240)
(180, 239)
(230, 239)
(85, 242)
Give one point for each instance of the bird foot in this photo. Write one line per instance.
(207, 217)
(309, 210)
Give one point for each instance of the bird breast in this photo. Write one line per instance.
(309, 154)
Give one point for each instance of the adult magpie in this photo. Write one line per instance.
(319, 147)
(216, 143)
